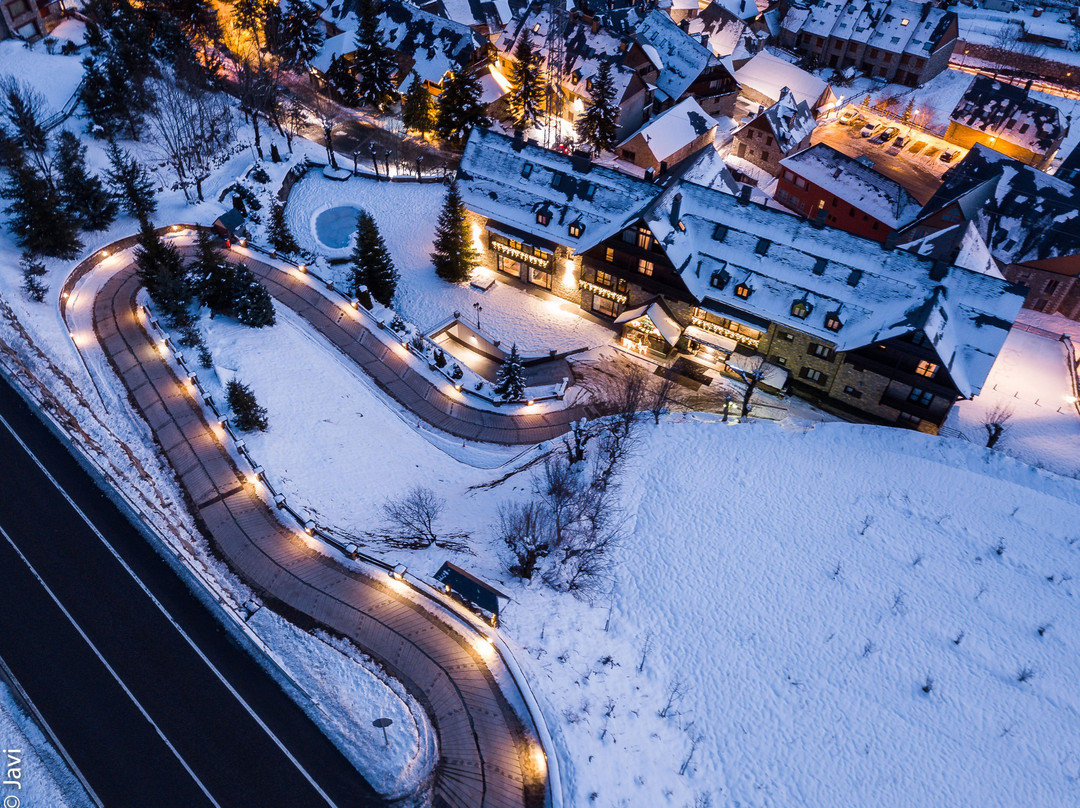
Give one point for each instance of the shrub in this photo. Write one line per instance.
(247, 414)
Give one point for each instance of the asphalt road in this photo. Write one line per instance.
(152, 700)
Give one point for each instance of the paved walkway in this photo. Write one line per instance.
(356, 338)
(485, 758)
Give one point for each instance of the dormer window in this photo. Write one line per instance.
(576, 229)
(819, 266)
(832, 321)
(589, 192)
(556, 180)
(762, 246)
(526, 170)
(720, 232)
(801, 309)
(588, 85)
(743, 291)
(719, 279)
(575, 77)
(543, 217)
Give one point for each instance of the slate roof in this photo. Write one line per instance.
(876, 293)
(493, 183)
(790, 121)
(900, 26)
(1023, 214)
(1007, 112)
(768, 75)
(859, 185)
(726, 34)
(675, 128)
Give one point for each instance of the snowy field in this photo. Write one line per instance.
(406, 214)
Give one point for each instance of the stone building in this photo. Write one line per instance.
(774, 133)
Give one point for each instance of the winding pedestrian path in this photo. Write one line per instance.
(487, 756)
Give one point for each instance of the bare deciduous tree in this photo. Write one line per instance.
(751, 369)
(410, 520)
(995, 422)
(526, 529)
(663, 394)
(675, 694)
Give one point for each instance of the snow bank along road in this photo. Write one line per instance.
(485, 757)
(155, 706)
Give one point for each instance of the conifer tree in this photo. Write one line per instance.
(597, 125)
(247, 414)
(375, 64)
(372, 265)
(36, 215)
(454, 254)
(251, 302)
(33, 270)
(278, 231)
(84, 196)
(131, 184)
(294, 32)
(417, 109)
(526, 96)
(161, 270)
(250, 16)
(343, 82)
(212, 277)
(459, 106)
(510, 380)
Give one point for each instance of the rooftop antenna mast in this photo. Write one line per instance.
(555, 46)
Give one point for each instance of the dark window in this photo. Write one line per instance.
(1024, 128)
(920, 396)
(851, 391)
(815, 376)
(820, 351)
(787, 335)
(576, 229)
(557, 179)
(629, 236)
(780, 360)
(919, 338)
(819, 266)
(17, 8)
(1050, 287)
(720, 232)
(762, 246)
(908, 418)
(526, 170)
(743, 291)
(589, 192)
(645, 267)
(1040, 304)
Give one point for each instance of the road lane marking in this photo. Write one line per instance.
(169, 617)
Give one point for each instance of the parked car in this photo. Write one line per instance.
(847, 116)
(886, 136)
(900, 142)
(948, 156)
(869, 129)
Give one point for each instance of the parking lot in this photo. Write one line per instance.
(916, 165)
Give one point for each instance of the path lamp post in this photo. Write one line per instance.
(355, 158)
(383, 723)
(387, 163)
(419, 165)
(374, 159)
(477, 308)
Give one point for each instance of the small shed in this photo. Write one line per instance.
(230, 224)
(471, 590)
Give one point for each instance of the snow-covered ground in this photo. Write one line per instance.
(406, 214)
(39, 782)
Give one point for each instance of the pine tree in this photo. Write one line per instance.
(250, 16)
(33, 270)
(247, 414)
(417, 109)
(251, 302)
(372, 265)
(597, 125)
(375, 64)
(36, 215)
(342, 81)
(454, 253)
(299, 32)
(212, 277)
(85, 198)
(278, 231)
(526, 95)
(161, 270)
(510, 380)
(459, 106)
(131, 184)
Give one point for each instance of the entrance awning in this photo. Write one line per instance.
(668, 327)
(520, 235)
(725, 344)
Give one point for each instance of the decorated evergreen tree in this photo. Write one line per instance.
(247, 414)
(454, 253)
(35, 211)
(417, 109)
(251, 302)
(597, 125)
(161, 270)
(278, 231)
(510, 381)
(212, 277)
(372, 265)
(84, 197)
(131, 184)
(526, 96)
(459, 107)
(33, 270)
(375, 63)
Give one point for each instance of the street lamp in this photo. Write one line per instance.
(477, 308)
(419, 165)
(387, 163)
(374, 159)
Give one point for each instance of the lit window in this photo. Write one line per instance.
(645, 267)
(609, 255)
(576, 229)
(743, 291)
(927, 369)
(536, 28)
(832, 322)
(543, 217)
(603, 278)
(644, 238)
(800, 309)
(904, 21)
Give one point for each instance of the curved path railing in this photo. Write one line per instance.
(487, 757)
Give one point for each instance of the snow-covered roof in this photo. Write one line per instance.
(434, 43)
(707, 168)
(718, 244)
(857, 184)
(960, 244)
(1007, 112)
(1023, 214)
(675, 128)
(900, 26)
(725, 33)
(511, 181)
(790, 121)
(768, 75)
(743, 9)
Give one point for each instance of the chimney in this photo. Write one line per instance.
(663, 168)
(519, 140)
(595, 25)
(705, 40)
(676, 204)
(744, 195)
(649, 174)
(938, 270)
(818, 222)
(891, 240)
